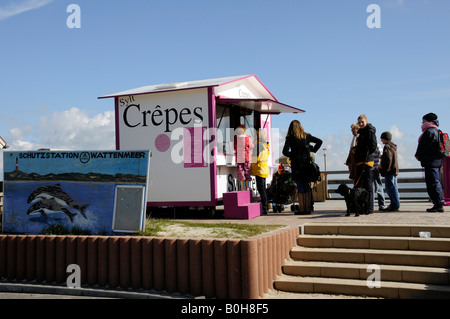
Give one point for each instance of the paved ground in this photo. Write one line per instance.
(19, 290)
(333, 211)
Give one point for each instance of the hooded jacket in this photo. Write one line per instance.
(366, 144)
(259, 161)
(428, 149)
(389, 161)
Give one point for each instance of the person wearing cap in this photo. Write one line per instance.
(276, 187)
(388, 168)
(280, 171)
(430, 159)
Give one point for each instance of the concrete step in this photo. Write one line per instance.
(375, 242)
(376, 230)
(342, 259)
(394, 290)
(373, 256)
(398, 273)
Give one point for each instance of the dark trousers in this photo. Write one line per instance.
(261, 187)
(433, 179)
(364, 178)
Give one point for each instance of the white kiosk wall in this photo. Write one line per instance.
(171, 125)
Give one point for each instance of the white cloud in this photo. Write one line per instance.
(70, 129)
(396, 133)
(18, 7)
(19, 133)
(338, 147)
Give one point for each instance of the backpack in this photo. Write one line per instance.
(312, 172)
(444, 144)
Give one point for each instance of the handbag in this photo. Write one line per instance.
(312, 172)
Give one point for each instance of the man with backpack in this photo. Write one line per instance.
(431, 158)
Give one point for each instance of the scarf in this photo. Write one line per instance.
(425, 127)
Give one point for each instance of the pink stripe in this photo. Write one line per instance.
(116, 106)
(212, 123)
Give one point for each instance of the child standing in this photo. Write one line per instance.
(389, 170)
(243, 145)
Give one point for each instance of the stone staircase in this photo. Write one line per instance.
(387, 261)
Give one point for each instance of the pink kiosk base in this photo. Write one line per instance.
(238, 205)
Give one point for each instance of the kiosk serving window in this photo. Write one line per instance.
(231, 117)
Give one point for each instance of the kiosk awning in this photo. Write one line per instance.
(264, 106)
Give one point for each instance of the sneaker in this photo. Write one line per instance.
(437, 208)
(381, 208)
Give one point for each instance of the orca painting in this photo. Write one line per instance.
(70, 188)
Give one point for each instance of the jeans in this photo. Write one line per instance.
(392, 190)
(378, 188)
(433, 179)
(303, 187)
(261, 187)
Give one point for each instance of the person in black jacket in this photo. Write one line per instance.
(366, 144)
(297, 147)
(430, 159)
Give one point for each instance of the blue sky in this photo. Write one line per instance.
(318, 55)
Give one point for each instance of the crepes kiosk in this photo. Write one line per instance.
(189, 127)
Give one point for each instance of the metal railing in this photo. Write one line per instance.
(409, 186)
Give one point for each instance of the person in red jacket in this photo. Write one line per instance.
(243, 146)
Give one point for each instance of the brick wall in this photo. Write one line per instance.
(221, 268)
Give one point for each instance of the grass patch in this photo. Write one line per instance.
(178, 229)
(171, 228)
(59, 229)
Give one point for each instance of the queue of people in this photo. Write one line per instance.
(364, 169)
(366, 161)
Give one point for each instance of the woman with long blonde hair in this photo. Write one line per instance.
(297, 147)
(296, 129)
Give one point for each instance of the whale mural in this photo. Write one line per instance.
(74, 189)
(51, 198)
